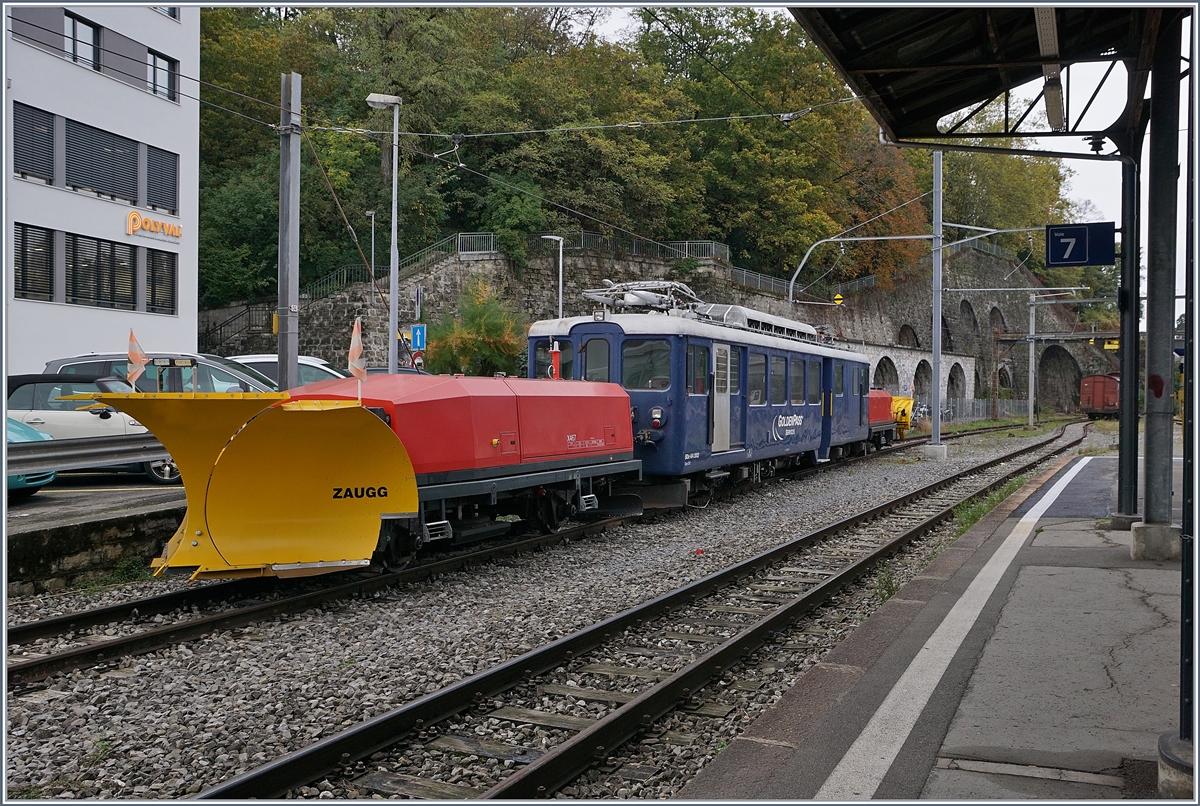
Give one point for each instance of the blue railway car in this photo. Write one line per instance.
(716, 391)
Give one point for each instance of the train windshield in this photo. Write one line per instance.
(566, 359)
(646, 364)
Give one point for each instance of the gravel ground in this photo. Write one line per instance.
(171, 723)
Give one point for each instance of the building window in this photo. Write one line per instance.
(102, 162)
(33, 142)
(162, 179)
(170, 11)
(33, 263)
(161, 273)
(100, 273)
(162, 73)
(83, 42)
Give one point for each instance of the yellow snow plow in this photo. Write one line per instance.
(266, 478)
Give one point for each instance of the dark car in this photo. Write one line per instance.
(37, 401)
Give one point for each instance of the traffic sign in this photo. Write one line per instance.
(1081, 244)
(838, 299)
(418, 337)
(418, 359)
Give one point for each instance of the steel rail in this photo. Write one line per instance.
(24, 672)
(274, 778)
(564, 762)
(30, 671)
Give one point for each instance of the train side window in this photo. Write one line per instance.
(797, 398)
(756, 379)
(697, 369)
(814, 382)
(595, 360)
(863, 385)
(566, 359)
(721, 373)
(778, 380)
(838, 389)
(735, 370)
(646, 364)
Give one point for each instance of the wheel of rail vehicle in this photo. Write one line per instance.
(397, 551)
(553, 512)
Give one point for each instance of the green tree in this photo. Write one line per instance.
(483, 339)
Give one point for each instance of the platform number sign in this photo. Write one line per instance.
(1081, 244)
(418, 337)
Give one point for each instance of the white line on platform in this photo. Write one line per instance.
(868, 760)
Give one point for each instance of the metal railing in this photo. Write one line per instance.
(761, 282)
(629, 245)
(75, 454)
(854, 286)
(255, 315)
(964, 410)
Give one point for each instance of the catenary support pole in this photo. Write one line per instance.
(1130, 352)
(1163, 203)
(289, 231)
(1032, 357)
(394, 282)
(1187, 641)
(936, 408)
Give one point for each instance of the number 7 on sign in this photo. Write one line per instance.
(1070, 242)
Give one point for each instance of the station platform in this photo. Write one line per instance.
(1032, 659)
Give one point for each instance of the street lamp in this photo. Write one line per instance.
(371, 214)
(560, 243)
(377, 101)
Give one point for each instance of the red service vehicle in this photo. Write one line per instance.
(1100, 395)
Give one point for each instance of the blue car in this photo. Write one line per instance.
(26, 485)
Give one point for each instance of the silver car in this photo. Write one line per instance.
(211, 373)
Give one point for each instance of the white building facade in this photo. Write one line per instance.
(101, 184)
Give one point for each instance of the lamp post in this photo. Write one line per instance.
(560, 243)
(371, 215)
(377, 101)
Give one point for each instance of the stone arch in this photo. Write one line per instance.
(1058, 379)
(947, 336)
(996, 319)
(1004, 381)
(886, 376)
(923, 382)
(966, 315)
(956, 384)
(908, 337)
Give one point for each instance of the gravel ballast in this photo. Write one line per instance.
(171, 723)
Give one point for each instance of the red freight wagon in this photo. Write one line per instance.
(1100, 395)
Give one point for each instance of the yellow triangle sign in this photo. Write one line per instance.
(837, 299)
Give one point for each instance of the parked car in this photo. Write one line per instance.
(212, 373)
(36, 401)
(311, 369)
(26, 484)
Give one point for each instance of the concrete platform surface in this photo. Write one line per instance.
(1032, 659)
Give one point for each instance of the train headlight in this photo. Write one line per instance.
(657, 417)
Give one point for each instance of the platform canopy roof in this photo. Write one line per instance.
(913, 66)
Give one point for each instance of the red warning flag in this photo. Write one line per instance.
(137, 359)
(357, 364)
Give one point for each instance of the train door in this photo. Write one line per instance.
(595, 355)
(737, 408)
(826, 408)
(860, 389)
(720, 396)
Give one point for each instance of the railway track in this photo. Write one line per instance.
(238, 603)
(561, 709)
